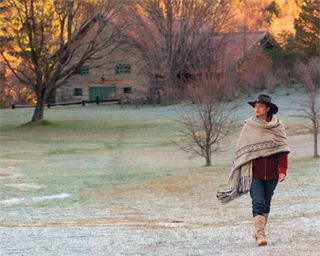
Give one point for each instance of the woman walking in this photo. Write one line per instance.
(260, 162)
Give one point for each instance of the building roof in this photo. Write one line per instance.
(234, 46)
(230, 47)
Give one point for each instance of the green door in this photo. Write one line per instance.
(104, 93)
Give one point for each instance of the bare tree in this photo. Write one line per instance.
(167, 32)
(309, 75)
(208, 121)
(13, 92)
(50, 40)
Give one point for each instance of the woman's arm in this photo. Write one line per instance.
(283, 166)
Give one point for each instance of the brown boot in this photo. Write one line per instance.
(259, 224)
(266, 215)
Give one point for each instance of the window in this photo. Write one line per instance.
(160, 76)
(123, 69)
(127, 90)
(84, 70)
(267, 46)
(77, 92)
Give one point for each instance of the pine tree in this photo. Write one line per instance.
(272, 11)
(307, 28)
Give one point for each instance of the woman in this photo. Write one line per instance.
(261, 160)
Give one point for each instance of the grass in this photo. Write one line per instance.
(79, 151)
(113, 161)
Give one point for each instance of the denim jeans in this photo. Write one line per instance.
(261, 193)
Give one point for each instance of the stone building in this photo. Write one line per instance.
(118, 75)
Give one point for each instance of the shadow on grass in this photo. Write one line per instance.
(43, 123)
(35, 124)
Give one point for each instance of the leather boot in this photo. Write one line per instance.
(266, 215)
(259, 225)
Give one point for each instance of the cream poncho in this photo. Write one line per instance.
(258, 138)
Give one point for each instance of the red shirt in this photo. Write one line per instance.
(269, 167)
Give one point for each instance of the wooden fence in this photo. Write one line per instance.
(83, 103)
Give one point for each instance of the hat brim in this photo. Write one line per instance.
(273, 107)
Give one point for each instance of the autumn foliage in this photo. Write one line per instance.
(36, 38)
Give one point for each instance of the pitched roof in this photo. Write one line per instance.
(234, 46)
(231, 47)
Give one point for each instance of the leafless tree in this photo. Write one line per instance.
(167, 32)
(208, 121)
(309, 75)
(50, 40)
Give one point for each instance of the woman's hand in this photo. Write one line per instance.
(282, 177)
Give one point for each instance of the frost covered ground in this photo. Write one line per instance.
(105, 180)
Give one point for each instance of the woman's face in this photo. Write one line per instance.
(261, 109)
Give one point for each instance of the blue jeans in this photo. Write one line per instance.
(261, 193)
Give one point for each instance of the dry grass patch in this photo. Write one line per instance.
(5, 175)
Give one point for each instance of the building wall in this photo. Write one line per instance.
(105, 76)
(246, 69)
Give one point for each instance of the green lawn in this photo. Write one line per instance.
(81, 151)
(107, 162)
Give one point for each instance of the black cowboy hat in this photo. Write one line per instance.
(265, 99)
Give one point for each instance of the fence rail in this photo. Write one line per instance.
(83, 103)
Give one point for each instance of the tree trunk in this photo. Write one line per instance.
(39, 110)
(315, 136)
(208, 158)
(208, 161)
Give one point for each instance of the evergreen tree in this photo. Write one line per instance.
(307, 28)
(272, 11)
